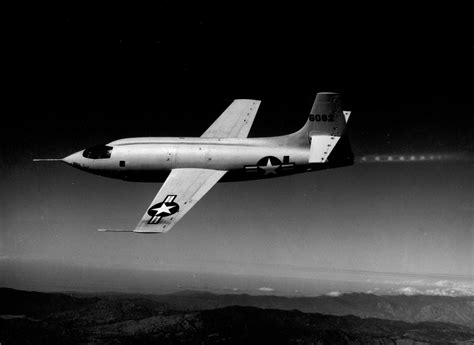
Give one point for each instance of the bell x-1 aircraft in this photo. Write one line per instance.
(190, 167)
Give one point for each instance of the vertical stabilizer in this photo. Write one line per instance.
(323, 130)
(326, 118)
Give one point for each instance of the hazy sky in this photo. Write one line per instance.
(407, 94)
(408, 217)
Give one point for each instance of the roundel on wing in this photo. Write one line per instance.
(163, 209)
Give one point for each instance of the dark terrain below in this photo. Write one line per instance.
(203, 318)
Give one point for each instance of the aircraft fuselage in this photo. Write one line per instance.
(151, 159)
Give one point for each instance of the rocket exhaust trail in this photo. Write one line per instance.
(415, 158)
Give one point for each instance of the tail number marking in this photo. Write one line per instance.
(323, 118)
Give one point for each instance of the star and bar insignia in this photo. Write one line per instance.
(163, 209)
(269, 166)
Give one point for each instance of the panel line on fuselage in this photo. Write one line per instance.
(248, 142)
(182, 143)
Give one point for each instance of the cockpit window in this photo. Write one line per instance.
(98, 152)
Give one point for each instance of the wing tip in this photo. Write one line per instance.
(247, 100)
(114, 230)
(132, 231)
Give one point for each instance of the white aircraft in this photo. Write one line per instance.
(190, 167)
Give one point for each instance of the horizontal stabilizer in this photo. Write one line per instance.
(321, 147)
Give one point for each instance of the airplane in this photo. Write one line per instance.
(190, 167)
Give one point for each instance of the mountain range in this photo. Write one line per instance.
(198, 317)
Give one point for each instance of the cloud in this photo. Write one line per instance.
(444, 283)
(334, 293)
(443, 288)
(451, 288)
(231, 288)
(409, 291)
(433, 287)
(266, 289)
(443, 292)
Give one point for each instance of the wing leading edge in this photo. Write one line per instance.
(235, 121)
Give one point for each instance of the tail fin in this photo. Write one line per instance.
(326, 124)
(326, 116)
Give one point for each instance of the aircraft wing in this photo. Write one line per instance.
(235, 121)
(181, 191)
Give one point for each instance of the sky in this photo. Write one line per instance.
(89, 77)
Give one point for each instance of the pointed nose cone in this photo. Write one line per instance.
(75, 159)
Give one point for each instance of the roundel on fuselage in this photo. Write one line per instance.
(265, 161)
(269, 165)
